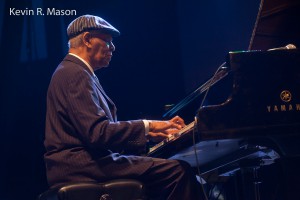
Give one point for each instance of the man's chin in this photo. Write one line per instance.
(106, 65)
(102, 66)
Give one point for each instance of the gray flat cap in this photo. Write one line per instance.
(90, 22)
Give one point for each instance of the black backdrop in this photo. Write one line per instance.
(166, 49)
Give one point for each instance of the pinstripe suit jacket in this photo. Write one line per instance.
(82, 132)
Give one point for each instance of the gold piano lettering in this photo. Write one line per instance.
(283, 108)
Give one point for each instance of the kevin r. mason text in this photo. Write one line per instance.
(41, 11)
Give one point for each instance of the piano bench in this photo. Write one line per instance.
(118, 189)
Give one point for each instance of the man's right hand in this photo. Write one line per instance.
(159, 130)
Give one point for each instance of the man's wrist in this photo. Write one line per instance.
(150, 125)
(147, 124)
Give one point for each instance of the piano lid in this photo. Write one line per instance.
(277, 24)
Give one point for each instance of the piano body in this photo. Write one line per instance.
(257, 123)
(247, 114)
(263, 107)
(265, 97)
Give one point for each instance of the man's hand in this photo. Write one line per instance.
(159, 130)
(179, 121)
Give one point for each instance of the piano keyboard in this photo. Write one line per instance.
(172, 137)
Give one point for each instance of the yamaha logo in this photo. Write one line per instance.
(287, 106)
(286, 96)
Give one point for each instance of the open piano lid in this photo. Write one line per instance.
(276, 26)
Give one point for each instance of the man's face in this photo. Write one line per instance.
(101, 50)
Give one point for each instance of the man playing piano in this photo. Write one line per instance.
(83, 138)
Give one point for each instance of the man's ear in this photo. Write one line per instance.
(86, 38)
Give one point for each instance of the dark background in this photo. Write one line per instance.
(166, 49)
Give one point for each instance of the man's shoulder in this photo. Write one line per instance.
(70, 65)
(68, 71)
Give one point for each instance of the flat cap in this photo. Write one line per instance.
(90, 22)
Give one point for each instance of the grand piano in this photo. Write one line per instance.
(247, 115)
(261, 110)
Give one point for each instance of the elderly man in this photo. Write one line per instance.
(85, 142)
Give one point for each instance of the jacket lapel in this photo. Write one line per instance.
(110, 103)
(110, 108)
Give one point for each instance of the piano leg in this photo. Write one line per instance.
(243, 184)
(256, 183)
(250, 183)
